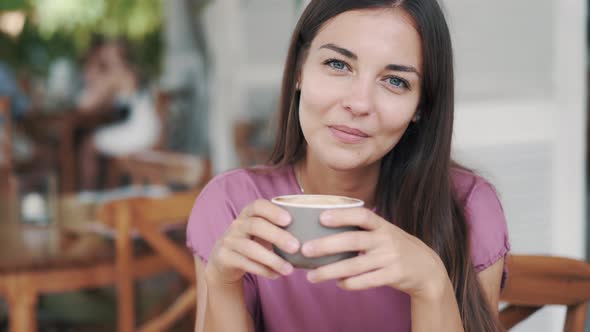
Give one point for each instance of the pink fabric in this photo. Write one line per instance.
(293, 304)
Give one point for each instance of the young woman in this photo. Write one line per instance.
(113, 82)
(366, 112)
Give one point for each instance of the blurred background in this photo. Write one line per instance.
(111, 100)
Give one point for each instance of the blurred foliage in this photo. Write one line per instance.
(64, 28)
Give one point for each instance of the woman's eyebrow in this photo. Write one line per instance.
(408, 69)
(340, 50)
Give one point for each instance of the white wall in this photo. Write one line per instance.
(249, 40)
(521, 119)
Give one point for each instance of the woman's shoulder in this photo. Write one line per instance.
(254, 182)
(485, 217)
(468, 183)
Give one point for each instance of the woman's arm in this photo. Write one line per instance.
(220, 307)
(245, 247)
(437, 310)
(441, 310)
(490, 280)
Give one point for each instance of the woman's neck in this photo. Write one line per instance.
(315, 177)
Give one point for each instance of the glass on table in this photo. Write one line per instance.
(37, 197)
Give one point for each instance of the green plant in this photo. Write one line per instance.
(64, 28)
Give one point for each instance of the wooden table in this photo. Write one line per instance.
(36, 260)
(63, 126)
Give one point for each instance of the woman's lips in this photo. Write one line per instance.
(348, 135)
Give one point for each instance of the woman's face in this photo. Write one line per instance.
(360, 87)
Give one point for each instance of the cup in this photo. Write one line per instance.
(305, 211)
(38, 199)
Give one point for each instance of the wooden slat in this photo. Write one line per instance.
(512, 315)
(177, 257)
(172, 210)
(68, 279)
(124, 264)
(535, 281)
(6, 132)
(575, 319)
(548, 266)
(164, 167)
(539, 280)
(540, 290)
(183, 305)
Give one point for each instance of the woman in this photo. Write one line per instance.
(366, 112)
(113, 83)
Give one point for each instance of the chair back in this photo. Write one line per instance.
(162, 104)
(8, 180)
(536, 281)
(165, 168)
(148, 218)
(5, 135)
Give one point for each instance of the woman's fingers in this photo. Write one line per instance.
(360, 217)
(239, 261)
(266, 210)
(264, 230)
(373, 279)
(337, 243)
(255, 252)
(347, 268)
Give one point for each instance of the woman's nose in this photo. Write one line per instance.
(358, 100)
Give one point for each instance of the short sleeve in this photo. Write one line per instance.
(212, 213)
(487, 227)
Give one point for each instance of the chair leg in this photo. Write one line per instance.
(512, 315)
(576, 318)
(125, 291)
(113, 177)
(185, 303)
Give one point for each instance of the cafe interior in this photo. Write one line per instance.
(115, 114)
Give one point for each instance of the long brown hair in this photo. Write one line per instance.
(415, 187)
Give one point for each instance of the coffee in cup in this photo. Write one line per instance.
(305, 211)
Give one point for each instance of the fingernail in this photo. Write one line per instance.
(286, 269)
(311, 276)
(285, 218)
(326, 217)
(307, 249)
(293, 246)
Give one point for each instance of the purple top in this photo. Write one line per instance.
(292, 303)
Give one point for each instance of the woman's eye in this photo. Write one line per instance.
(397, 82)
(337, 64)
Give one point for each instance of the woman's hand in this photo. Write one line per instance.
(246, 246)
(388, 256)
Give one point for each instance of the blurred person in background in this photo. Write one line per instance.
(9, 87)
(23, 149)
(112, 81)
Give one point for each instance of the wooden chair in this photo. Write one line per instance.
(5, 135)
(8, 181)
(164, 168)
(536, 281)
(148, 217)
(162, 105)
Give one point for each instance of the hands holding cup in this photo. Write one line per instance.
(266, 240)
(246, 246)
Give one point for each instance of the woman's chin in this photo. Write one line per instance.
(347, 164)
